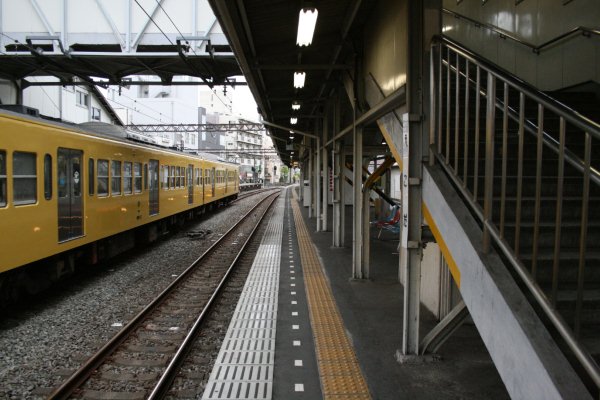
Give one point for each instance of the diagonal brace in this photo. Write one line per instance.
(444, 329)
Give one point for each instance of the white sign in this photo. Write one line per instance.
(404, 182)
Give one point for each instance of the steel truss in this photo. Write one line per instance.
(161, 128)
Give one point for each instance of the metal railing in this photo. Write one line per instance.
(579, 30)
(504, 144)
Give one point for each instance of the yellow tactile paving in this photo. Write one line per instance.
(339, 372)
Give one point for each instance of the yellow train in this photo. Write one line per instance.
(67, 192)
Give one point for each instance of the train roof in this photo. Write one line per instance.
(114, 132)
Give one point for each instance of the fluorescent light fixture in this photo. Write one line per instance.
(293, 121)
(306, 26)
(295, 105)
(291, 137)
(299, 78)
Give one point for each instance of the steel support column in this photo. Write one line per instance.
(338, 178)
(18, 91)
(310, 176)
(357, 223)
(342, 194)
(337, 188)
(366, 233)
(325, 171)
(318, 184)
(301, 191)
(412, 249)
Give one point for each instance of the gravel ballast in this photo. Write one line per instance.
(43, 342)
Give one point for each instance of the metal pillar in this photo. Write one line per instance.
(318, 184)
(19, 92)
(338, 180)
(310, 182)
(366, 233)
(342, 194)
(325, 171)
(337, 166)
(417, 135)
(301, 194)
(357, 237)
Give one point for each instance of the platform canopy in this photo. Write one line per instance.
(263, 36)
(165, 63)
(113, 39)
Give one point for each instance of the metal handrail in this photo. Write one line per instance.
(491, 233)
(585, 31)
(573, 117)
(570, 157)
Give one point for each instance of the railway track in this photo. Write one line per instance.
(254, 192)
(142, 360)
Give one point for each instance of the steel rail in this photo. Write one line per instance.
(79, 377)
(166, 380)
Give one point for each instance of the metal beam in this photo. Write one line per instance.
(390, 103)
(300, 67)
(136, 83)
(141, 33)
(42, 16)
(112, 24)
(248, 127)
(444, 329)
(285, 128)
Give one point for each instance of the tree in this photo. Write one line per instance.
(284, 173)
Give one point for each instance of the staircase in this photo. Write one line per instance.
(540, 205)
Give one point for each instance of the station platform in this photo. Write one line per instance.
(303, 330)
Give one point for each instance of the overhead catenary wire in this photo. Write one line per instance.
(187, 42)
(154, 22)
(31, 48)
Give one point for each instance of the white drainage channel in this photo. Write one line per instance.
(244, 367)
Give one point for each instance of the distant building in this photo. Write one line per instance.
(72, 103)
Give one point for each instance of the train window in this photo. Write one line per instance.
(115, 178)
(2, 178)
(102, 178)
(137, 177)
(198, 176)
(127, 178)
(24, 178)
(172, 178)
(47, 176)
(165, 177)
(145, 176)
(182, 176)
(178, 177)
(91, 177)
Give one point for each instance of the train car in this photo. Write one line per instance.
(67, 192)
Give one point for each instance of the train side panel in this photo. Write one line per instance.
(112, 201)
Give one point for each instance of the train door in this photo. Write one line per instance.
(212, 181)
(202, 179)
(70, 201)
(153, 192)
(190, 183)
